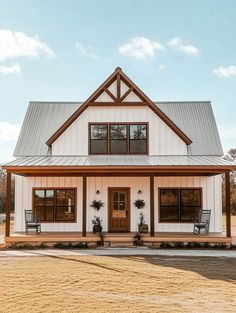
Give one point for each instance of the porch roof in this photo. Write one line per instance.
(88, 163)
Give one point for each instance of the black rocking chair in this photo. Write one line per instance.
(31, 221)
(202, 224)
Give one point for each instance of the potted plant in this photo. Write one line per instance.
(97, 227)
(97, 204)
(139, 204)
(137, 239)
(142, 227)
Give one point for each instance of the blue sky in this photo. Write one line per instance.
(62, 50)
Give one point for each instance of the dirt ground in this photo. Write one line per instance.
(101, 284)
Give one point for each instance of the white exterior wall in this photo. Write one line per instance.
(211, 199)
(211, 193)
(134, 183)
(162, 139)
(23, 200)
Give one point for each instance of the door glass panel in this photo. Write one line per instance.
(115, 196)
(115, 205)
(122, 206)
(119, 204)
(122, 196)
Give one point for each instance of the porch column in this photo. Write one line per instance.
(84, 219)
(152, 230)
(227, 204)
(8, 205)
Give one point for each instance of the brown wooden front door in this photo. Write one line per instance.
(119, 209)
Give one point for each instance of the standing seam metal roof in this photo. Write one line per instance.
(195, 119)
(114, 160)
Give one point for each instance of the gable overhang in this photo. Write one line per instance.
(119, 75)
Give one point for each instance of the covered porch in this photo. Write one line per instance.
(54, 167)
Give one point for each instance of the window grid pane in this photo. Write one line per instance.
(121, 139)
(179, 205)
(53, 205)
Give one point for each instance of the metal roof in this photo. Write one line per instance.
(114, 160)
(41, 121)
(195, 119)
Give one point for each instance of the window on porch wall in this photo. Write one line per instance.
(179, 205)
(54, 205)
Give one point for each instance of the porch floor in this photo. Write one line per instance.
(51, 237)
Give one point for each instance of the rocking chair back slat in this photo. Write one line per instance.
(31, 221)
(202, 224)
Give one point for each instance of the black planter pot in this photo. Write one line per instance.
(97, 229)
(143, 228)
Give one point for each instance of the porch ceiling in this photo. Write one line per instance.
(120, 164)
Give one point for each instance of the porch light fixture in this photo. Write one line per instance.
(139, 192)
(98, 192)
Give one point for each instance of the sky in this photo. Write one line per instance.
(53, 50)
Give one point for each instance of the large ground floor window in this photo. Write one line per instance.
(179, 204)
(55, 204)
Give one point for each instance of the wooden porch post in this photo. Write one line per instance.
(8, 205)
(227, 204)
(84, 206)
(152, 230)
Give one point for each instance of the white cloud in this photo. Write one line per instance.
(13, 69)
(177, 43)
(9, 132)
(141, 48)
(162, 67)
(86, 50)
(223, 71)
(15, 44)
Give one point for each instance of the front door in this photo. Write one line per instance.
(119, 209)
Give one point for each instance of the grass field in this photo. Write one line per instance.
(233, 220)
(117, 284)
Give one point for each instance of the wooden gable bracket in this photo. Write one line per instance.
(118, 97)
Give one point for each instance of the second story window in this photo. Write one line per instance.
(138, 139)
(123, 138)
(118, 139)
(99, 139)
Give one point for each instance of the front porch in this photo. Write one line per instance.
(87, 181)
(113, 239)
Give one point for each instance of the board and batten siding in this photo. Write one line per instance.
(23, 200)
(211, 200)
(211, 194)
(162, 139)
(103, 183)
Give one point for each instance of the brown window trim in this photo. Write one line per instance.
(178, 188)
(98, 123)
(128, 137)
(56, 188)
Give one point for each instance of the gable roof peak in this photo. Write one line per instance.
(119, 89)
(118, 69)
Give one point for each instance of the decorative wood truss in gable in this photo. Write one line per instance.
(119, 90)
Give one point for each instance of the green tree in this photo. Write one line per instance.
(231, 156)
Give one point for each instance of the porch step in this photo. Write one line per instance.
(121, 244)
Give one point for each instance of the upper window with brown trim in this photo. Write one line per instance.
(99, 139)
(179, 204)
(55, 205)
(118, 138)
